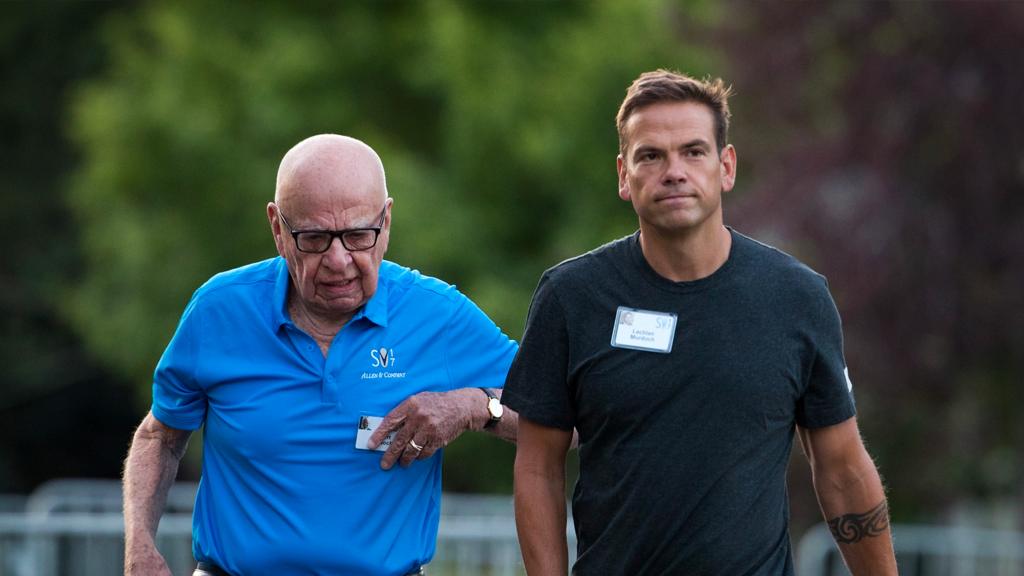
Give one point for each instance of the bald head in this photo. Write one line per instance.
(330, 168)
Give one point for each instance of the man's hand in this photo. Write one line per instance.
(427, 422)
(145, 561)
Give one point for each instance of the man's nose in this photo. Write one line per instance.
(337, 255)
(675, 170)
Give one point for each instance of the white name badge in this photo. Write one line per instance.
(644, 330)
(367, 424)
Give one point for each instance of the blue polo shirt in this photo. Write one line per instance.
(284, 489)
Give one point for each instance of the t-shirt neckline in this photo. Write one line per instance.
(645, 270)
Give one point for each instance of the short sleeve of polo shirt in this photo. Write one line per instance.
(178, 399)
(828, 395)
(537, 386)
(477, 352)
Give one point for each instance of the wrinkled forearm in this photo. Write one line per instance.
(150, 469)
(473, 404)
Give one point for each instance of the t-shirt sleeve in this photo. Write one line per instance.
(477, 353)
(828, 394)
(537, 385)
(178, 399)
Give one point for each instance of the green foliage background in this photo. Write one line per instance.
(881, 142)
(494, 121)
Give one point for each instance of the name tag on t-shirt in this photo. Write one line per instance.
(367, 424)
(644, 330)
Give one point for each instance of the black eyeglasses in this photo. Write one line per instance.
(319, 241)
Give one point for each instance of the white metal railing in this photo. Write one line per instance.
(74, 527)
(925, 550)
(92, 544)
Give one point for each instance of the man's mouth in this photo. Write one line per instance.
(675, 196)
(339, 285)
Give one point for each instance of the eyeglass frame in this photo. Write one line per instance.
(339, 234)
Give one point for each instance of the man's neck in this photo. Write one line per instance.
(321, 329)
(687, 256)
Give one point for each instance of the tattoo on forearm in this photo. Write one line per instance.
(852, 528)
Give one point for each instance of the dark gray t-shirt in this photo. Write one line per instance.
(683, 454)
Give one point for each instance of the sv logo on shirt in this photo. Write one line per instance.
(382, 358)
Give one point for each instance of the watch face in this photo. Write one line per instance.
(495, 408)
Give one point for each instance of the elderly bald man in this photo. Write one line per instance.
(314, 373)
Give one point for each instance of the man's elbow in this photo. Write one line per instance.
(153, 434)
(844, 474)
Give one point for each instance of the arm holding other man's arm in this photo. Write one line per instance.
(851, 496)
(149, 472)
(434, 419)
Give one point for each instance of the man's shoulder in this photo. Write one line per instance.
(251, 277)
(402, 280)
(774, 265)
(591, 266)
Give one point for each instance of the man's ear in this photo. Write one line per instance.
(276, 228)
(727, 167)
(385, 233)
(620, 167)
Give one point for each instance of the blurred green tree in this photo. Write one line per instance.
(879, 142)
(495, 123)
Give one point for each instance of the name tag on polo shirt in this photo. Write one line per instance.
(367, 424)
(644, 330)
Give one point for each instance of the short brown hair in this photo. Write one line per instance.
(668, 86)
